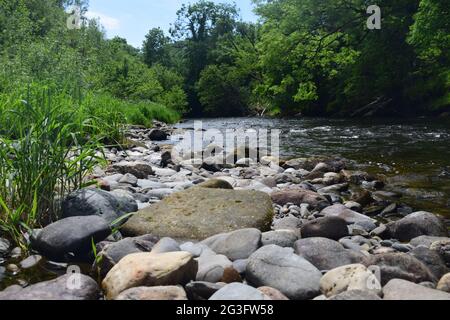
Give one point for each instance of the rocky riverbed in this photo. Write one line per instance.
(257, 229)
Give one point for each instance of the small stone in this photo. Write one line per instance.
(30, 262)
(282, 238)
(166, 293)
(238, 291)
(211, 267)
(273, 293)
(166, 245)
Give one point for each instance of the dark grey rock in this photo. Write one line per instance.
(282, 269)
(89, 202)
(200, 290)
(326, 254)
(158, 135)
(399, 266)
(71, 237)
(112, 253)
(282, 238)
(432, 260)
(417, 224)
(235, 245)
(166, 245)
(67, 287)
(333, 228)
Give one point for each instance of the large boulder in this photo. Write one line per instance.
(165, 293)
(239, 244)
(149, 269)
(398, 289)
(417, 224)
(238, 291)
(326, 254)
(70, 238)
(333, 228)
(349, 277)
(299, 197)
(198, 213)
(399, 266)
(350, 216)
(282, 269)
(67, 287)
(89, 202)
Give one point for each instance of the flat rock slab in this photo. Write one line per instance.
(398, 289)
(67, 287)
(199, 213)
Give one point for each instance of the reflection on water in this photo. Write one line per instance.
(414, 154)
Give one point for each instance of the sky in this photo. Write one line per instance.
(132, 19)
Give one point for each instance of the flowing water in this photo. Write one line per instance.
(413, 154)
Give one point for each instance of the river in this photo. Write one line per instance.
(413, 154)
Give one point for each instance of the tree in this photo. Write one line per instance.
(154, 47)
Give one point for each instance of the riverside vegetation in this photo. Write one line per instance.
(77, 160)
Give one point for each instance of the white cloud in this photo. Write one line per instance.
(110, 23)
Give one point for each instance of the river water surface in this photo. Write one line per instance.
(413, 154)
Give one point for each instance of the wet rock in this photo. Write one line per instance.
(200, 290)
(211, 267)
(273, 293)
(417, 224)
(70, 238)
(355, 295)
(198, 213)
(333, 228)
(298, 197)
(282, 269)
(349, 277)
(148, 269)
(398, 289)
(67, 287)
(166, 245)
(91, 202)
(238, 291)
(235, 245)
(399, 266)
(444, 283)
(281, 238)
(139, 169)
(326, 254)
(351, 217)
(432, 260)
(30, 262)
(112, 253)
(158, 135)
(165, 293)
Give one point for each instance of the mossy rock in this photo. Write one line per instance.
(199, 213)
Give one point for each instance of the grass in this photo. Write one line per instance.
(49, 142)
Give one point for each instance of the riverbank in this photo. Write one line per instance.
(304, 228)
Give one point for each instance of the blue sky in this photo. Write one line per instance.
(131, 19)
